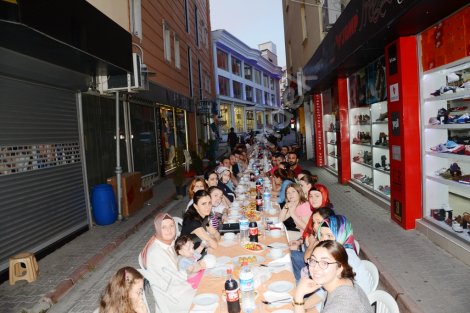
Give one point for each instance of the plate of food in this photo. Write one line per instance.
(249, 258)
(253, 215)
(254, 247)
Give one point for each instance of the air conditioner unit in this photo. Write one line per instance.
(130, 82)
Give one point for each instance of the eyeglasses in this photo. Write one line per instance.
(322, 264)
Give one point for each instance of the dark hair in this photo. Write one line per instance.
(209, 173)
(338, 253)
(281, 173)
(211, 189)
(307, 172)
(324, 212)
(199, 194)
(181, 241)
(308, 179)
(292, 152)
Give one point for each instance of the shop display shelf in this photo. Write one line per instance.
(379, 122)
(332, 144)
(448, 229)
(450, 96)
(449, 126)
(382, 171)
(451, 156)
(363, 164)
(454, 187)
(332, 156)
(357, 125)
(363, 184)
(380, 193)
(381, 147)
(362, 144)
(331, 131)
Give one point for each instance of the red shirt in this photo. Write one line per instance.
(297, 170)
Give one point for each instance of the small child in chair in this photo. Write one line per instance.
(188, 259)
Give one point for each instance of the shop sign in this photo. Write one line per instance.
(395, 123)
(392, 60)
(203, 107)
(318, 123)
(396, 153)
(397, 210)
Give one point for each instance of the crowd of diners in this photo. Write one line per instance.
(328, 271)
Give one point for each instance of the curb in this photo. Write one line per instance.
(64, 286)
(405, 302)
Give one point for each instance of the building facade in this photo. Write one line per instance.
(247, 84)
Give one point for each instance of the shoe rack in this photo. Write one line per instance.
(370, 157)
(331, 151)
(445, 109)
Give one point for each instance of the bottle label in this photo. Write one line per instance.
(259, 202)
(253, 231)
(247, 284)
(232, 295)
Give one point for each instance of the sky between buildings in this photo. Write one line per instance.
(251, 21)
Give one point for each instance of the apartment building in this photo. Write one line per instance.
(247, 83)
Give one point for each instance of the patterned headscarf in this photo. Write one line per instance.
(341, 228)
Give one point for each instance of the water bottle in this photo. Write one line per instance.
(231, 293)
(267, 200)
(247, 288)
(244, 229)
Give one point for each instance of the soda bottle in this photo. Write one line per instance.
(259, 202)
(253, 232)
(252, 176)
(231, 293)
(247, 288)
(244, 229)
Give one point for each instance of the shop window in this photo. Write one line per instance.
(186, 15)
(173, 135)
(273, 100)
(250, 120)
(144, 145)
(207, 82)
(265, 81)
(225, 121)
(224, 87)
(239, 119)
(237, 90)
(196, 25)
(259, 96)
(222, 60)
(190, 72)
(268, 119)
(248, 72)
(249, 93)
(271, 83)
(257, 77)
(259, 119)
(236, 66)
(266, 98)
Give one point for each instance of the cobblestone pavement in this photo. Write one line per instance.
(61, 269)
(409, 263)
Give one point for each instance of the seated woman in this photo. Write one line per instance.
(196, 221)
(159, 264)
(296, 208)
(224, 177)
(124, 293)
(299, 257)
(329, 269)
(307, 182)
(281, 179)
(211, 177)
(219, 207)
(197, 184)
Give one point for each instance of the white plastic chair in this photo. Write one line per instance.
(179, 225)
(384, 302)
(372, 273)
(187, 159)
(358, 247)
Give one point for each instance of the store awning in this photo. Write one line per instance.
(365, 28)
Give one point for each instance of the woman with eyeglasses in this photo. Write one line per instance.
(329, 269)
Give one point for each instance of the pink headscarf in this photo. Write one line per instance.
(157, 223)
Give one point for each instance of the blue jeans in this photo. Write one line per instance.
(298, 263)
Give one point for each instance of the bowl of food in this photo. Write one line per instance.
(254, 247)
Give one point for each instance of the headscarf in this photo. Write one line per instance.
(157, 223)
(341, 228)
(324, 203)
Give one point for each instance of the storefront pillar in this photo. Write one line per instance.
(405, 150)
(342, 136)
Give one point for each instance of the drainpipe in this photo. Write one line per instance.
(118, 170)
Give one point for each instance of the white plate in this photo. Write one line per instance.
(279, 245)
(281, 286)
(269, 255)
(206, 299)
(259, 259)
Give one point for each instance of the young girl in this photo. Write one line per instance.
(124, 293)
(188, 259)
(219, 207)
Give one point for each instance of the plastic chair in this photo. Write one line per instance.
(373, 274)
(383, 301)
(358, 247)
(187, 159)
(179, 225)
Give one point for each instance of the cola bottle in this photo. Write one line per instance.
(259, 202)
(231, 293)
(253, 232)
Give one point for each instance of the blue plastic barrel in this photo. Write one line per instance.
(104, 204)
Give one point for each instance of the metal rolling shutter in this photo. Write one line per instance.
(42, 196)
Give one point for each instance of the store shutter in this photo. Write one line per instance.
(42, 196)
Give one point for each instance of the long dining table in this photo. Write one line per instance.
(267, 270)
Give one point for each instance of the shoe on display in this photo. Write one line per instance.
(438, 214)
(444, 90)
(452, 78)
(465, 179)
(465, 118)
(382, 117)
(443, 116)
(434, 121)
(440, 148)
(386, 190)
(467, 150)
(459, 108)
(457, 227)
(455, 170)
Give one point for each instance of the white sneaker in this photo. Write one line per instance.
(456, 227)
(452, 77)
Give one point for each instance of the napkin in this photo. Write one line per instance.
(273, 296)
(285, 261)
(205, 308)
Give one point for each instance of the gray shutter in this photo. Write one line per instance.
(42, 196)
